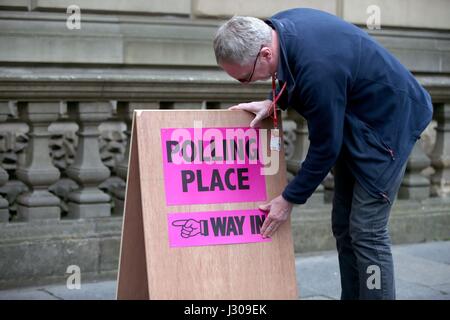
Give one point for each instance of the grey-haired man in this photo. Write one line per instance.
(365, 111)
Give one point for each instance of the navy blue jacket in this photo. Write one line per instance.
(355, 96)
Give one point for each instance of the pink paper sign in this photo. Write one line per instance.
(215, 227)
(212, 165)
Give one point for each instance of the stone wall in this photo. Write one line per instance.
(59, 86)
(179, 32)
(431, 14)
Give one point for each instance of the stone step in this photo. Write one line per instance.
(40, 251)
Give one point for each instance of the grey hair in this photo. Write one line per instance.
(240, 38)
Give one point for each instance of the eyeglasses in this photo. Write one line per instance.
(253, 71)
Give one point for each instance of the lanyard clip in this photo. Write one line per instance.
(275, 140)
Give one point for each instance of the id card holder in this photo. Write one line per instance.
(275, 140)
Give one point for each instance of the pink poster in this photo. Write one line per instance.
(215, 228)
(212, 165)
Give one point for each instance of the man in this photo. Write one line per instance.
(365, 111)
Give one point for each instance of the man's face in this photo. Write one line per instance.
(259, 69)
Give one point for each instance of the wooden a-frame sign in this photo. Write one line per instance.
(191, 228)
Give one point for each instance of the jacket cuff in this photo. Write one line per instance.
(288, 196)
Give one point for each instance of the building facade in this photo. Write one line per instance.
(72, 72)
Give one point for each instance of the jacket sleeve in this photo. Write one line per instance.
(322, 89)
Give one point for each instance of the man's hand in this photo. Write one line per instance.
(279, 211)
(259, 108)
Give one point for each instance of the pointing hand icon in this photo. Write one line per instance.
(191, 227)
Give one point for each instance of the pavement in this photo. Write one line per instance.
(422, 271)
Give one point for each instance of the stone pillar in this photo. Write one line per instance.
(440, 157)
(4, 212)
(415, 185)
(87, 169)
(328, 185)
(125, 112)
(38, 172)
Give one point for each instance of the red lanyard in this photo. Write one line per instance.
(274, 101)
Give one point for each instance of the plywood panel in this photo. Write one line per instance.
(132, 281)
(241, 271)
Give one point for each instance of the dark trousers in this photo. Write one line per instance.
(360, 226)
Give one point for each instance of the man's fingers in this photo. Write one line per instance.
(266, 223)
(255, 122)
(258, 108)
(250, 107)
(268, 220)
(265, 207)
(271, 229)
(241, 106)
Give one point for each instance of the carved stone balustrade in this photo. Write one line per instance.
(87, 169)
(440, 157)
(38, 172)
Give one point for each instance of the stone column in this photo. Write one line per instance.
(38, 172)
(4, 212)
(87, 169)
(415, 185)
(440, 157)
(328, 188)
(125, 112)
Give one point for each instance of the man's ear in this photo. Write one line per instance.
(266, 53)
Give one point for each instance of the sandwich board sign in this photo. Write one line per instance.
(191, 227)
